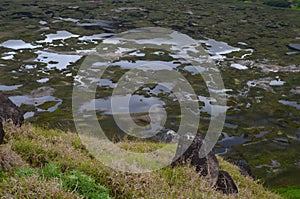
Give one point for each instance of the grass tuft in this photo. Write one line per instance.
(84, 185)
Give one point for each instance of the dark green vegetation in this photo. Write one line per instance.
(279, 3)
(271, 127)
(289, 192)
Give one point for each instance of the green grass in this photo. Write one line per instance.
(53, 164)
(51, 170)
(71, 181)
(84, 185)
(25, 172)
(289, 192)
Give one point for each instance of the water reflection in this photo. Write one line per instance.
(9, 88)
(290, 103)
(56, 60)
(37, 102)
(230, 141)
(17, 45)
(138, 104)
(59, 35)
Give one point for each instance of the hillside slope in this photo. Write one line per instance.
(35, 162)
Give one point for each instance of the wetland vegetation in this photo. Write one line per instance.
(255, 45)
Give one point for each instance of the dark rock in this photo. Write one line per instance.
(244, 168)
(188, 153)
(9, 111)
(294, 46)
(225, 183)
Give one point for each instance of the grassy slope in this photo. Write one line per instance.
(32, 147)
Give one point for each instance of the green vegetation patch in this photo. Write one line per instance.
(84, 185)
(289, 192)
(71, 181)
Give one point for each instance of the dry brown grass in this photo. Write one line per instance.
(9, 159)
(33, 187)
